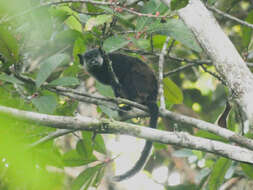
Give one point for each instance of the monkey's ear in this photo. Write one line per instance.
(80, 58)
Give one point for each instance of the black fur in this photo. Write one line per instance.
(137, 83)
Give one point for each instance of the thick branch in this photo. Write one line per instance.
(227, 134)
(110, 126)
(212, 128)
(222, 52)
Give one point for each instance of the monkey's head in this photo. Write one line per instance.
(91, 59)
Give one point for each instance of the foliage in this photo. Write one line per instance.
(42, 40)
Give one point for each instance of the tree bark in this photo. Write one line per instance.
(222, 52)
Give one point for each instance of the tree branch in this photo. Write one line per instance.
(161, 63)
(100, 100)
(110, 126)
(230, 17)
(222, 52)
(227, 134)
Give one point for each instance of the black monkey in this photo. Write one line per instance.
(136, 82)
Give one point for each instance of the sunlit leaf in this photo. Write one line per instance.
(172, 92)
(158, 41)
(247, 169)
(99, 144)
(73, 23)
(24, 170)
(218, 173)
(96, 21)
(246, 31)
(8, 45)
(79, 48)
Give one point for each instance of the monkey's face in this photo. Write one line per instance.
(91, 60)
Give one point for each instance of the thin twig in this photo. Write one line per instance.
(161, 64)
(230, 17)
(183, 67)
(214, 75)
(82, 96)
(53, 135)
(103, 3)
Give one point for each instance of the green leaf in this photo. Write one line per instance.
(67, 37)
(65, 81)
(59, 13)
(177, 30)
(26, 169)
(10, 79)
(202, 175)
(183, 153)
(99, 144)
(48, 67)
(183, 186)
(141, 43)
(209, 135)
(246, 31)
(8, 45)
(151, 7)
(72, 70)
(98, 141)
(211, 2)
(172, 92)
(104, 89)
(99, 177)
(45, 104)
(96, 21)
(178, 4)
(114, 43)
(108, 111)
(87, 178)
(158, 41)
(218, 173)
(73, 158)
(79, 48)
(247, 169)
(84, 149)
(68, 108)
(73, 23)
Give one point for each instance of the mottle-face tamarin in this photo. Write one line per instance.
(136, 82)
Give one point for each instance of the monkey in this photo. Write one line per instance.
(137, 82)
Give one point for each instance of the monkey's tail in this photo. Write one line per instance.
(153, 109)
